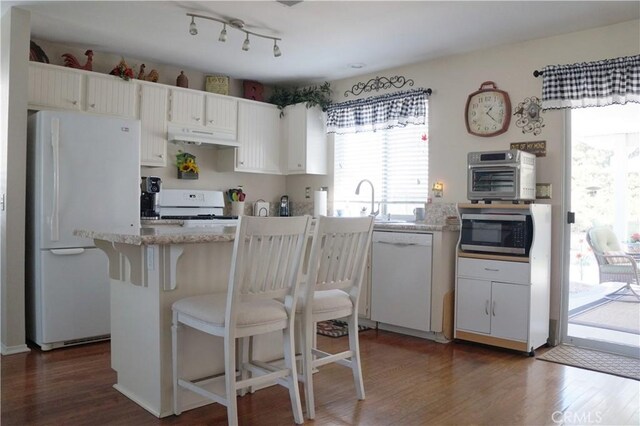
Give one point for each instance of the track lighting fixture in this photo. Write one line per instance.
(238, 25)
(192, 27)
(223, 33)
(276, 49)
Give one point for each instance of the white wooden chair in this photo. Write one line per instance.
(261, 298)
(332, 290)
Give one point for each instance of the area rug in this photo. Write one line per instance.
(335, 328)
(610, 314)
(594, 360)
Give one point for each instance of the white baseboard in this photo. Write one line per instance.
(12, 350)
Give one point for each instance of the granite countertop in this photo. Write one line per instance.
(149, 235)
(171, 232)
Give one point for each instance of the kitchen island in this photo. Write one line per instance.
(149, 270)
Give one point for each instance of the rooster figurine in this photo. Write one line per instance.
(71, 61)
(152, 76)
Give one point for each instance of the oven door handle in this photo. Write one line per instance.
(496, 217)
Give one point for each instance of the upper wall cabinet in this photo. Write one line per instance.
(221, 114)
(153, 124)
(186, 107)
(259, 135)
(217, 113)
(107, 94)
(306, 140)
(54, 87)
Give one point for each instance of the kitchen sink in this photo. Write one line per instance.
(383, 220)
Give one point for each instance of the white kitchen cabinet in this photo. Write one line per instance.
(107, 94)
(493, 308)
(259, 135)
(221, 114)
(503, 300)
(306, 140)
(153, 124)
(186, 107)
(52, 86)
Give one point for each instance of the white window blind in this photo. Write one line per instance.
(394, 160)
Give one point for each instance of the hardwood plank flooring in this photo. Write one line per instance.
(408, 381)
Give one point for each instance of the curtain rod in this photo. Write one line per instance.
(537, 73)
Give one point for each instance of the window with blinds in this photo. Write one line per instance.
(394, 160)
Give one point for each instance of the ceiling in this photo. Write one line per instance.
(320, 39)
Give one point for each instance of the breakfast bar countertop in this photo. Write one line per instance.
(162, 235)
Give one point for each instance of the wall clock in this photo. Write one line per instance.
(488, 111)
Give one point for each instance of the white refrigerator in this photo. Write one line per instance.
(83, 172)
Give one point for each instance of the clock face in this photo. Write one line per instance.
(488, 112)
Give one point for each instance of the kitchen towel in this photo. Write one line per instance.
(319, 203)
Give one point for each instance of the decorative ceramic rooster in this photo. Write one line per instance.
(71, 61)
(152, 76)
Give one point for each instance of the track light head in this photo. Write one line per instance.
(193, 30)
(223, 34)
(245, 45)
(276, 50)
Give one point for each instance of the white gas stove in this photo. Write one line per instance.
(194, 207)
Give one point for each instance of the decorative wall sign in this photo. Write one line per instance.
(539, 148)
(217, 84)
(379, 83)
(528, 113)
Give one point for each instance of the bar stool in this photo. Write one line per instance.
(261, 298)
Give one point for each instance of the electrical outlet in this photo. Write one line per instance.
(307, 192)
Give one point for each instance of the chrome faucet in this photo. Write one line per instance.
(373, 213)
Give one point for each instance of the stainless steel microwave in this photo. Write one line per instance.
(496, 233)
(501, 175)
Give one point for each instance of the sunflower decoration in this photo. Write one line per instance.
(187, 167)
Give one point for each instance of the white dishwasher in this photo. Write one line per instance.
(401, 279)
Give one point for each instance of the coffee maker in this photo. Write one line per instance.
(149, 193)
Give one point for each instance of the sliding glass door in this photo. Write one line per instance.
(603, 190)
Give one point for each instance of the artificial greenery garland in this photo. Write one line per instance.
(312, 95)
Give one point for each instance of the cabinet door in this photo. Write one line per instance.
(295, 118)
(52, 86)
(153, 125)
(222, 114)
(473, 300)
(510, 311)
(187, 107)
(111, 95)
(259, 137)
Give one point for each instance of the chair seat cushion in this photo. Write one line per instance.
(210, 308)
(325, 301)
(615, 260)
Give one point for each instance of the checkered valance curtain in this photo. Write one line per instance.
(588, 84)
(378, 112)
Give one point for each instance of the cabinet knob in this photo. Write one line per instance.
(242, 162)
(93, 105)
(74, 102)
(493, 309)
(299, 165)
(211, 121)
(196, 118)
(161, 155)
(486, 307)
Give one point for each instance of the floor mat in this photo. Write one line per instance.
(594, 360)
(612, 315)
(335, 328)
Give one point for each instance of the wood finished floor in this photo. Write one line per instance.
(408, 381)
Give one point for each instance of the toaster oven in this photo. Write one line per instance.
(501, 175)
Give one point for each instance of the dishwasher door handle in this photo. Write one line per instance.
(396, 244)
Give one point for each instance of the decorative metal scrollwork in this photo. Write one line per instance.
(528, 113)
(379, 83)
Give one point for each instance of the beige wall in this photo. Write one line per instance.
(453, 78)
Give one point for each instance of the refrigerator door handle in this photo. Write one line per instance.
(67, 252)
(55, 144)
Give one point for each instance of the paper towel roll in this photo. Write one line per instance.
(319, 203)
